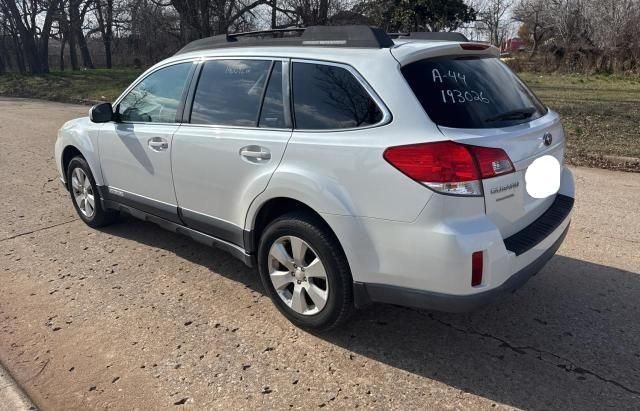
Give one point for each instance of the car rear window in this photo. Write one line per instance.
(472, 92)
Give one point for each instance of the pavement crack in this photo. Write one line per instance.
(37, 230)
(39, 372)
(44, 185)
(560, 361)
(628, 240)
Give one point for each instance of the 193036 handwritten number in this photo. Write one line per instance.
(457, 96)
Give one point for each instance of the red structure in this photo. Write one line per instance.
(512, 45)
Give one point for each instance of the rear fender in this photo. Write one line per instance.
(295, 184)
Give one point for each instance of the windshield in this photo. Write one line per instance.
(472, 92)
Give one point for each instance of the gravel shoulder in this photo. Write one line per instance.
(136, 317)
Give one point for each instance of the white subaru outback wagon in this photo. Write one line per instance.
(349, 165)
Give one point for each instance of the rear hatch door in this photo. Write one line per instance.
(477, 100)
(507, 202)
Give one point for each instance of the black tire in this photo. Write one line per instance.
(339, 303)
(100, 217)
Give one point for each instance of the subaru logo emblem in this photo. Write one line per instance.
(547, 139)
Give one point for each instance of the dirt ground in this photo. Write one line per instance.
(136, 317)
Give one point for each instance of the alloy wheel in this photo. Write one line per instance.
(298, 275)
(83, 193)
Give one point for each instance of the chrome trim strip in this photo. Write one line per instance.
(213, 226)
(233, 127)
(198, 236)
(211, 217)
(139, 195)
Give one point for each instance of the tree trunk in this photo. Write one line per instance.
(67, 34)
(105, 24)
(42, 54)
(63, 43)
(73, 52)
(5, 62)
(107, 52)
(108, 39)
(87, 61)
(75, 26)
(35, 48)
(195, 18)
(534, 49)
(323, 12)
(31, 54)
(19, 55)
(274, 14)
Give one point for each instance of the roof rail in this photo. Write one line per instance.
(275, 33)
(318, 36)
(430, 35)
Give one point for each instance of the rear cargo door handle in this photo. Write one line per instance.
(158, 144)
(255, 154)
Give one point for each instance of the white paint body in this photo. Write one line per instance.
(393, 230)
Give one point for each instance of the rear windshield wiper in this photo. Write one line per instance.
(519, 114)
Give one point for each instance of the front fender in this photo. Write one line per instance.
(82, 134)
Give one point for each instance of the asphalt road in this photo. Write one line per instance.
(135, 317)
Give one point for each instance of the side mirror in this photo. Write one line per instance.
(101, 113)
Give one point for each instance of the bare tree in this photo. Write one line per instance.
(32, 20)
(535, 15)
(204, 18)
(311, 12)
(492, 19)
(104, 15)
(78, 10)
(6, 35)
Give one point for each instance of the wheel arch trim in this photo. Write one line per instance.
(95, 168)
(251, 236)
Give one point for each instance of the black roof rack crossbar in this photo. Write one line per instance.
(318, 36)
(430, 35)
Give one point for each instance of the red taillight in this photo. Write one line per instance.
(476, 268)
(449, 167)
(444, 161)
(474, 46)
(492, 161)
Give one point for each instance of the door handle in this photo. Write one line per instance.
(158, 144)
(255, 154)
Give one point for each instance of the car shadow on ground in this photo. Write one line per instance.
(560, 341)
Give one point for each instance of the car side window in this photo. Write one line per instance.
(156, 98)
(229, 92)
(273, 114)
(330, 97)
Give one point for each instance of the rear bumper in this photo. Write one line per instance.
(365, 294)
(428, 262)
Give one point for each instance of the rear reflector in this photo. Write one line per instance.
(449, 167)
(476, 268)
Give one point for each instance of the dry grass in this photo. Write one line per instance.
(600, 113)
(87, 86)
